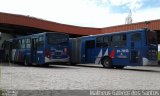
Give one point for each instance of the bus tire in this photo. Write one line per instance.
(106, 62)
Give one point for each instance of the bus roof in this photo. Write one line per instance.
(121, 32)
(43, 33)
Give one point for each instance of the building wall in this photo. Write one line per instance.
(4, 36)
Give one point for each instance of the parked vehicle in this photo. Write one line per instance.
(116, 50)
(39, 49)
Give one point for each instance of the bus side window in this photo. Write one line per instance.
(28, 43)
(15, 44)
(90, 44)
(19, 44)
(35, 43)
(151, 36)
(123, 41)
(23, 43)
(106, 41)
(118, 40)
(40, 42)
(99, 41)
(136, 37)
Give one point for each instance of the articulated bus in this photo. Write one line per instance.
(116, 50)
(39, 49)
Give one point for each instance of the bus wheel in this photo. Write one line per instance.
(107, 62)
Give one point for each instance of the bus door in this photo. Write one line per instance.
(89, 51)
(34, 50)
(136, 48)
(40, 50)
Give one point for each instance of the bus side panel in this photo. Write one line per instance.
(73, 52)
(40, 50)
(16, 55)
(88, 52)
(82, 54)
(136, 48)
(40, 56)
(79, 46)
(98, 55)
(28, 55)
(121, 56)
(13, 55)
(83, 51)
(22, 55)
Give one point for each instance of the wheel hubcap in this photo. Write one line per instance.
(107, 62)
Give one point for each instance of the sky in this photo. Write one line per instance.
(85, 13)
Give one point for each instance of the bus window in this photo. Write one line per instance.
(136, 37)
(151, 35)
(54, 39)
(106, 41)
(90, 44)
(15, 44)
(40, 42)
(28, 43)
(118, 40)
(23, 43)
(99, 42)
(6, 45)
(19, 44)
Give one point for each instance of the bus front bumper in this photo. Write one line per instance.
(48, 60)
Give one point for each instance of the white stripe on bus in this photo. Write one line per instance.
(98, 58)
(106, 53)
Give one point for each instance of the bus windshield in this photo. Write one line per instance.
(151, 35)
(60, 39)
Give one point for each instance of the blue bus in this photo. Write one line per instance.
(116, 50)
(40, 49)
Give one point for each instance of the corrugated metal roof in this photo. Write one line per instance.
(153, 25)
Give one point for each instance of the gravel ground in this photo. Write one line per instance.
(83, 77)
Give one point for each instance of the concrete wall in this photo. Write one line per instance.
(4, 36)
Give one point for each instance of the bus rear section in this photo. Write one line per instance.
(143, 48)
(56, 49)
(151, 51)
